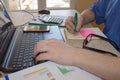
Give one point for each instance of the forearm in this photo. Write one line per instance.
(104, 66)
(88, 16)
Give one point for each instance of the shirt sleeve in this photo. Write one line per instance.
(99, 8)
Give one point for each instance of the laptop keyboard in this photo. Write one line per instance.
(23, 57)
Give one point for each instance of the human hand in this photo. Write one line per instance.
(56, 51)
(70, 23)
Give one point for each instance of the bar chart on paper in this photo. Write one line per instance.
(42, 74)
(45, 74)
(60, 72)
(52, 71)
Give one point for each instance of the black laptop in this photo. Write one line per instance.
(16, 46)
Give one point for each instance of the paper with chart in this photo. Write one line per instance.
(52, 71)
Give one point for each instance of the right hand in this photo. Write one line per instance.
(62, 53)
(70, 24)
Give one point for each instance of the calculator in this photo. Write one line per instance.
(51, 19)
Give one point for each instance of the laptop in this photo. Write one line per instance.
(16, 46)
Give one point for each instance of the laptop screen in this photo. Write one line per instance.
(17, 17)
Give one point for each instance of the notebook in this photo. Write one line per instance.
(16, 46)
(77, 39)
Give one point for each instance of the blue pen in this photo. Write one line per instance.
(6, 77)
(75, 21)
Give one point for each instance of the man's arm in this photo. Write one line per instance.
(88, 16)
(104, 66)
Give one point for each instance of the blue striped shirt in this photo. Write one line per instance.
(108, 12)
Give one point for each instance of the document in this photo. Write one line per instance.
(52, 71)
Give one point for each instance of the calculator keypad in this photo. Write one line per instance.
(51, 19)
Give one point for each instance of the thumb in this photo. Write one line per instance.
(42, 57)
(80, 23)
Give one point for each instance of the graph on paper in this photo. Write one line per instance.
(57, 72)
(64, 70)
(42, 74)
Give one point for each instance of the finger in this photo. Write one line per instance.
(39, 47)
(80, 24)
(69, 23)
(70, 31)
(44, 56)
(35, 51)
(70, 19)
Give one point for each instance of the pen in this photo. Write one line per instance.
(75, 21)
(6, 77)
